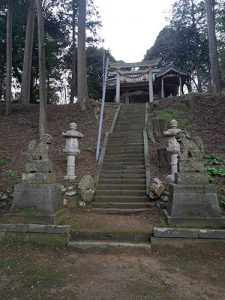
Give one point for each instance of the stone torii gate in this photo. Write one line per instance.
(133, 74)
(144, 79)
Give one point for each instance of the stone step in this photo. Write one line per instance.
(138, 138)
(123, 141)
(128, 174)
(125, 144)
(131, 134)
(120, 192)
(128, 129)
(121, 205)
(123, 176)
(123, 162)
(123, 168)
(119, 211)
(121, 186)
(122, 165)
(123, 156)
(134, 147)
(114, 151)
(115, 236)
(129, 124)
(111, 247)
(121, 198)
(122, 181)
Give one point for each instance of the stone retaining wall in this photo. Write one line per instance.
(51, 235)
(182, 237)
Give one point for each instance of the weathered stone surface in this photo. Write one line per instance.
(157, 187)
(194, 205)
(211, 234)
(38, 150)
(37, 228)
(47, 198)
(2, 235)
(7, 227)
(165, 232)
(162, 244)
(39, 178)
(175, 232)
(193, 201)
(39, 167)
(70, 193)
(86, 188)
(191, 165)
(191, 178)
(57, 229)
(21, 228)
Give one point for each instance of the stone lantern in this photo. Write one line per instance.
(72, 149)
(173, 148)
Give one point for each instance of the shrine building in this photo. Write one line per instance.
(144, 81)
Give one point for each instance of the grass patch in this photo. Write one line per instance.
(181, 112)
(2, 162)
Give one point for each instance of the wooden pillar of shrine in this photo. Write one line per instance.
(162, 88)
(150, 83)
(118, 88)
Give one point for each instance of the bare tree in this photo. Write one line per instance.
(9, 58)
(42, 72)
(81, 55)
(27, 60)
(213, 53)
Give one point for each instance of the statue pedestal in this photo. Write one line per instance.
(194, 205)
(38, 198)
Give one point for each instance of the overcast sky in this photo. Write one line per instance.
(130, 27)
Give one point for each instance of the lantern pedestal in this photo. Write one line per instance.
(72, 149)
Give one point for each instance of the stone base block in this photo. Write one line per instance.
(194, 205)
(39, 167)
(189, 233)
(193, 201)
(191, 178)
(191, 166)
(203, 245)
(34, 217)
(44, 198)
(39, 178)
(212, 222)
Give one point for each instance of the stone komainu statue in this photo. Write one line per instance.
(191, 147)
(39, 150)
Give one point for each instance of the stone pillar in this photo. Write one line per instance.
(162, 88)
(173, 148)
(180, 84)
(72, 149)
(118, 88)
(150, 83)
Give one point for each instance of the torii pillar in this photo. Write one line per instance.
(118, 88)
(150, 83)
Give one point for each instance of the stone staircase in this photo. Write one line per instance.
(117, 221)
(122, 181)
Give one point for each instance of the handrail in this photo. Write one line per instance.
(104, 83)
(115, 118)
(146, 151)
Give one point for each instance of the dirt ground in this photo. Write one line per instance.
(22, 126)
(28, 273)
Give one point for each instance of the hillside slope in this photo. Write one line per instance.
(22, 125)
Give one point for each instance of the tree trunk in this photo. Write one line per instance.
(81, 55)
(27, 60)
(74, 58)
(42, 72)
(8, 58)
(213, 54)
